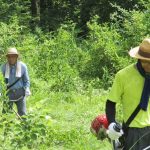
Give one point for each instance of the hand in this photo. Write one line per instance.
(114, 133)
(0, 94)
(27, 92)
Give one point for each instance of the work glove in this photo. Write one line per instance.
(27, 92)
(114, 131)
(0, 94)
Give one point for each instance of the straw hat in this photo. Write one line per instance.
(12, 51)
(142, 51)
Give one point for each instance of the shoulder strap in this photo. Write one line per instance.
(133, 115)
(9, 86)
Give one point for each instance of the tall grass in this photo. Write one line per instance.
(68, 76)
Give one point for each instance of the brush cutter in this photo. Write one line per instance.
(99, 127)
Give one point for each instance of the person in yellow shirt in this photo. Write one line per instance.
(131, 88)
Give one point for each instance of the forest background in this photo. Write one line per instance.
(73, 48)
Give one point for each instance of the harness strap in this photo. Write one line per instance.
(9, 86)
(133, 115)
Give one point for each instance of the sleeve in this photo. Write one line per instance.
(2, 73)
(26, 80)
(3, 69)
(110, 111)
(116, 91)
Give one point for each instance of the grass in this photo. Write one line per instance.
(71, 115)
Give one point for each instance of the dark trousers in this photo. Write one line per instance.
(137, 138)
(21, 106)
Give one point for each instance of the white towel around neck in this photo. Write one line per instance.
(18, 70)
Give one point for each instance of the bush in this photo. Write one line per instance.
(104, 44)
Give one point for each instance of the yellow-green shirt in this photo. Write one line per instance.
(127, 89)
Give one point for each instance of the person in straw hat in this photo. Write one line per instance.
(131, 88)
(17, 80)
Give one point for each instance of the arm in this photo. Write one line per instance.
(3, 69)
(110, 111)
(114, 97)
(26, 80)
(114, 129)
(112, 132)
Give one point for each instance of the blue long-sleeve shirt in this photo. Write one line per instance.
(23, 82)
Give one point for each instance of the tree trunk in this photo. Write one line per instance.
(35, 14)
(43, 12)
(34, 7)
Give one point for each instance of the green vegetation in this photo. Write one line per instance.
(70, 75)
